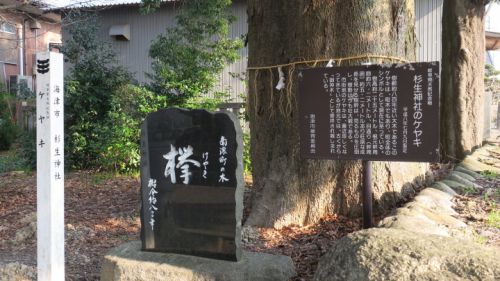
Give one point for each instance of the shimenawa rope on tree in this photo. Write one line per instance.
(287, 107)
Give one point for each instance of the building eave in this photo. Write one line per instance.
(492, 40)
(32, 10)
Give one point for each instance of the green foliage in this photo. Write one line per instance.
(469, 190)
(494, 219)
(190, 56)
(94, 77)
(24, 91)
(104, 110)
(247, 161)
(120, 147)
(491, 82)
(11, 162)
(490, 71)
(149, 6)
(8, 129)
(490, 174)
(480, 239)
(28, 150)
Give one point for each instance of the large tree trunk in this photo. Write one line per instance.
(288, 189)
(462, 78)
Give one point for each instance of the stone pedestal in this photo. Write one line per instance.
(128, 262)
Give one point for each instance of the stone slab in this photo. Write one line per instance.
(465, 182)
(394, 254)
(436, 200)
(467, 171)
(444, 188)
(474, 165)
(463, 175)
(457, 186)
(127, 262)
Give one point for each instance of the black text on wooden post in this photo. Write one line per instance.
(50, 165)
(192, 183)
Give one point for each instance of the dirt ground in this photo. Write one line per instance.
(101, 212)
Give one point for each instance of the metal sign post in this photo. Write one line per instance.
(367, 194)
(50, 166)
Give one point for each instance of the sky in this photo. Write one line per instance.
(493, 18)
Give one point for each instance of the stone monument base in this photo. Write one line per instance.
(128, 262)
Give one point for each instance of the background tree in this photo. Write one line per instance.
(94, 76)
(8, 129)
(189, 57)
(491, 79)
(288, 189)
(462, 86)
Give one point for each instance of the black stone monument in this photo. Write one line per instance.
(192, 183)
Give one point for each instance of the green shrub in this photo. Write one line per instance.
(189, 58)
(104, 110)
(8, 129)
(11, 162)
(490, 174)
(493, 219)
(130, 106)
(27, 150)
(94, 77)
(247, 161)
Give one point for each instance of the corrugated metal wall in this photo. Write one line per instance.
(234, 76)
(428, 17)
(145, 28)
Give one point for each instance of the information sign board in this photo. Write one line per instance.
(370, 112)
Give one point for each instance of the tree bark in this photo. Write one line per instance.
(462, 86)
(288, 189)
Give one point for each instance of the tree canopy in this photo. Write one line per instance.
(189, 57)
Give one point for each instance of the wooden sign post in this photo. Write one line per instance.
(50, 166)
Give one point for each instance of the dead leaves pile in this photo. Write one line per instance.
(305, 245)
(101, 212)
(476, 207)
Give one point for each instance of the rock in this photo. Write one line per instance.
(444, 188)
(414, 222)
(393, 254)
(249, 233)
(473, 164)
(201, 212)
(459, 187)
(467, 171)
(435, 199)
(17, 272)
(128, 262)
(465, 182)
(419, 218)
(431, 212)
(463, 175)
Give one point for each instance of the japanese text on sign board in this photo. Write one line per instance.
(370, 112)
